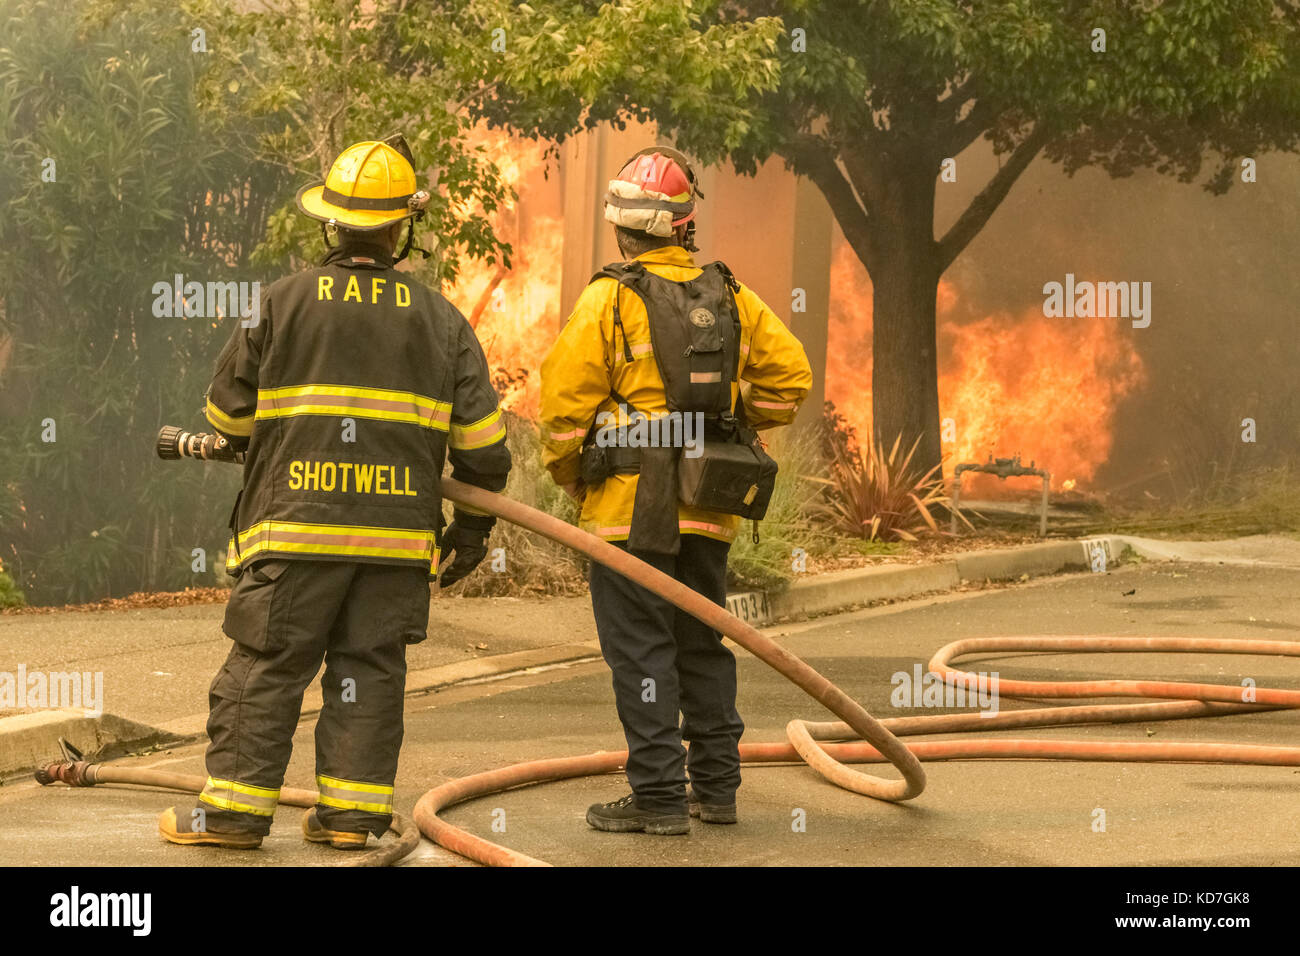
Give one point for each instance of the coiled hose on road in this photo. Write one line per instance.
(877, 740)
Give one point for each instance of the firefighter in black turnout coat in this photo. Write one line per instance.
(349, 389)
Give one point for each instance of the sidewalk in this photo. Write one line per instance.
(157, 663)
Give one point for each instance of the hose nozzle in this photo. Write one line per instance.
(174, 443)
(74, 773)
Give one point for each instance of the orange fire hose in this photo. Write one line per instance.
(879, 741)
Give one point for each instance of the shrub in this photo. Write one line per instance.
(10, 594)
(533, 564)
(882, 497)
(768, 563)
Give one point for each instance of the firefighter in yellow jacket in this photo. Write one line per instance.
(349, 390)
(655, 346)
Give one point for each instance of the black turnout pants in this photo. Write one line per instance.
(673, 679)
(284, 617)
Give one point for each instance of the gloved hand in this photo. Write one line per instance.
(466, 538)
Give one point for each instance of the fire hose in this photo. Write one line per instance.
(877, 741)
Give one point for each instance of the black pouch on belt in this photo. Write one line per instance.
(595, 465)
(731, 473)
(654, 511)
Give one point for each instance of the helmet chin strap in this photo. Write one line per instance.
(325, 237)
(417, 204)
(688, 238)
(409, 247)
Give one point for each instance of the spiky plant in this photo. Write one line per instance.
(883, 497)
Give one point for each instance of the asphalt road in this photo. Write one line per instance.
(972, 813)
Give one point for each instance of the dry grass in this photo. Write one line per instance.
(132, 602)
(1263, 501)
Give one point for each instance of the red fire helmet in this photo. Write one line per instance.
(653, 192)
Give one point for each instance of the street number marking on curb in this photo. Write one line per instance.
(750, 606)
(1097, 552)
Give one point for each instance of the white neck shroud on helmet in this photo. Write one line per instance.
(655, 221)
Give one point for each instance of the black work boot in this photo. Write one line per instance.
(624, 816)
(710, 812)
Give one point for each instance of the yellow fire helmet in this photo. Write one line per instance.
(370, 186)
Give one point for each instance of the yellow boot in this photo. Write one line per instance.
(313, 832)
(173, 830)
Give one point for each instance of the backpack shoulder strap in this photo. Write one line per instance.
(624, 273)
(726, 274)
(733, 286)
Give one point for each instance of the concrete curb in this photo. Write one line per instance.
(28, 741)
(828, 592)
(840, 589)
(1250, 551)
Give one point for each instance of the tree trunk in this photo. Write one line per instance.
(905, 283)
(884, 202)
(905, 372)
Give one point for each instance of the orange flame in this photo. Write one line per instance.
(515, 310)
(1047, 389)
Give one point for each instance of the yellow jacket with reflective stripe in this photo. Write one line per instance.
(587, 361)
(350, 389)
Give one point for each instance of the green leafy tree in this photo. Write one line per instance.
(317, 75)
(873, 95)
(320, 74)
(572, 64)
(114, 182)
